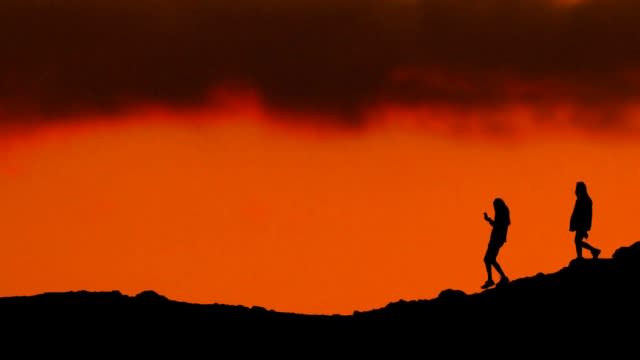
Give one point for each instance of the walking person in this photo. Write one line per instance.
(500, 224)
(580, 222)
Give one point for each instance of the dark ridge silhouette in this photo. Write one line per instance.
(589, 307)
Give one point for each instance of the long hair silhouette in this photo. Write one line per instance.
(502, 212)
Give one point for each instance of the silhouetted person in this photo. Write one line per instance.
(500, 224)
(581, 220)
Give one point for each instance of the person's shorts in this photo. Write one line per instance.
(492, 251)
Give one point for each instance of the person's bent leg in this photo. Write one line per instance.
(587, 246)
(499, 269)
(595, 252)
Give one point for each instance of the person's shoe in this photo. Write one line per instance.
(503, 281)
(487, 284)
(596, 253)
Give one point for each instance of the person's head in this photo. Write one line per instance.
(501, 210)
(581, 189)
(499, 204)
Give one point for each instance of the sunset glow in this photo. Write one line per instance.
(238, 206)
(316, 156)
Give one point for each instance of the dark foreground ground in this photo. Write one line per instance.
(588, 308)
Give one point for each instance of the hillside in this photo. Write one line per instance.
(595, 302)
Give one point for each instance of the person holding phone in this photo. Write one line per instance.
(500, 224)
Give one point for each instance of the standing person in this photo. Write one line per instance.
(500, 225)
(580, 222)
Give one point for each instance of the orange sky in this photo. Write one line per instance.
(237, 207)
(228, 190)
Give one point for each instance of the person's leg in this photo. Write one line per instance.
(487, 264)
(595, 252)
(587, 246)
(489, 259)
(578, 241)
(503, 278)
(499, 269)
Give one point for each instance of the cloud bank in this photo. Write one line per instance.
(320, 56)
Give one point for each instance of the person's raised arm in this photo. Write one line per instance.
(488, 219)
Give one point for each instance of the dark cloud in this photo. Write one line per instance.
(339, 56)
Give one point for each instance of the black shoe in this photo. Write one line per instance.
(487, 284)
(503, 281)
(596, 253)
